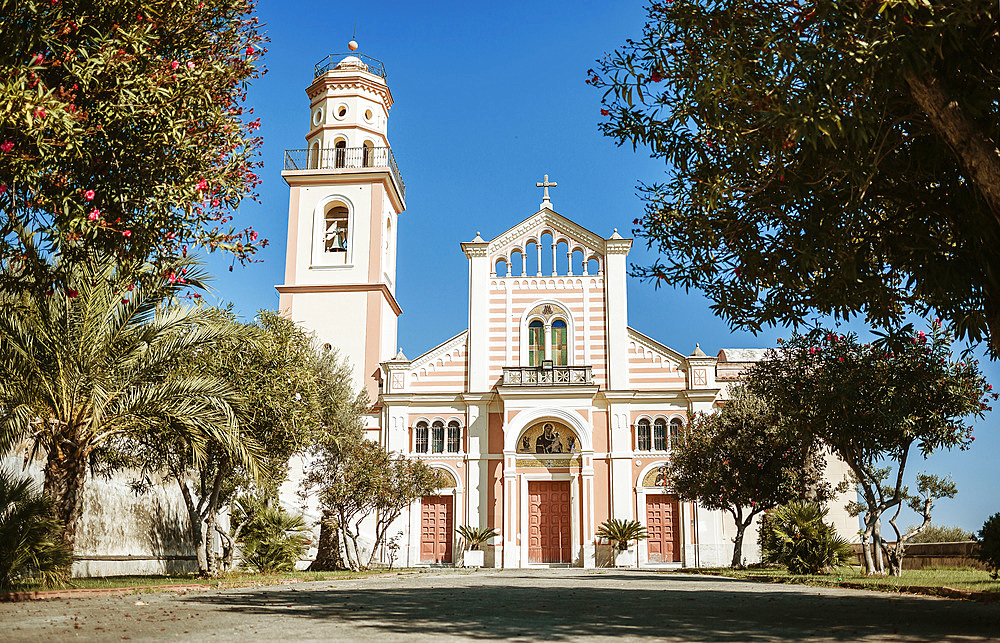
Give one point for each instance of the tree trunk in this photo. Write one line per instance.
(328, 556)
(65, 475)
(210, 558)
(738, 545)
(972, 147)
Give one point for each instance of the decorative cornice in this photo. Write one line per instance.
(618, 246)
(472, 249)
(328, 83)
(318, 288)
(445, 347)
(338, 176)
(656, 347)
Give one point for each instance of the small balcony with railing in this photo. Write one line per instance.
(346, 160)
(547, 375)
(352, 61)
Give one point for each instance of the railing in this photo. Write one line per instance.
(364, 63)
(550, 376)
(344, 158)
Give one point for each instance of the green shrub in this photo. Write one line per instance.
(31, 546)
(988, 545)
(796, 536)
(621, 532)
(936, 534)
(273, 540)
(476, 537)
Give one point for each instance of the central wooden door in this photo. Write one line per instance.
(663, 527)
(548, 521)
(436, 528)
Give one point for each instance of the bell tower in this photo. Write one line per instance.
(345, 197)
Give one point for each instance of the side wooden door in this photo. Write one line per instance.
(663, 528)
(436, 528)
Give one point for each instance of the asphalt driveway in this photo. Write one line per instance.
(559, 605)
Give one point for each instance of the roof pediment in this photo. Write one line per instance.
(561, 229)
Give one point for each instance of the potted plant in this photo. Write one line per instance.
(620, 533)
(475, 538)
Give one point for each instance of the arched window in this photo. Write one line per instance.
(340, 153)
(454, 437)
(676, 426)
(335, 231)
(437, 437)
(420, 445)
(536, 343)
(559, 352)
(660, 435)
(642, 435)
(367, 154)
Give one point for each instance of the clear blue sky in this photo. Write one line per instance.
(488, 98)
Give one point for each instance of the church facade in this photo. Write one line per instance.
(549, 414)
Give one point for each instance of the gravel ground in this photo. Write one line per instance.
(558, 604)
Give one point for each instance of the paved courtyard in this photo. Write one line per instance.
(560, 605)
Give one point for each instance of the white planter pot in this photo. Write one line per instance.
(473, 558)
(625, 558)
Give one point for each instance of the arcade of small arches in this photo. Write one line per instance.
(435, 437)
(656, 435)
(517, 261)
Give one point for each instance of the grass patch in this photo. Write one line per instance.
(222, 580)
(973, 580)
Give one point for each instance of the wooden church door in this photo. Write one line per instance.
(549, 521)
(436, 528)
(662, 525)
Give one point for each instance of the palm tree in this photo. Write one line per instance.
(85, 365)
(30, 544)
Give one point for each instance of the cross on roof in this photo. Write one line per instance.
(545, 194)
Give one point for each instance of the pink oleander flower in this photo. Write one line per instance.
(95, 214)
(190, 65)
(126, 233)
(174, 65)
(202, 184)
(6, 146)
(89, 195)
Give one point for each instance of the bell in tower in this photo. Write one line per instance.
(345, 197)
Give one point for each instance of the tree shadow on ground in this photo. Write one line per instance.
(569, 608)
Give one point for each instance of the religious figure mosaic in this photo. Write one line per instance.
(656, 477)
(549, 437)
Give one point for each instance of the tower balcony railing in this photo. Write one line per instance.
(346, 158)
(364, 63)
(547, 375)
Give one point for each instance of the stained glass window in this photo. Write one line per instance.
(642, 435)
(421, 445)
(559, 352)
(437, 437)
(660, 435)
(536, 343)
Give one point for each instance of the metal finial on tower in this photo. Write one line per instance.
(353, 45)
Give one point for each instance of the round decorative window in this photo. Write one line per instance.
(318, 117)
(368, 115)
(341, 111)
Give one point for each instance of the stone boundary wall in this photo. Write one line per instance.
(923, 555)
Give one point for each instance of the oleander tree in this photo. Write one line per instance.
(876, 405)
(837, 156)
(123, 132)
(739, 460)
